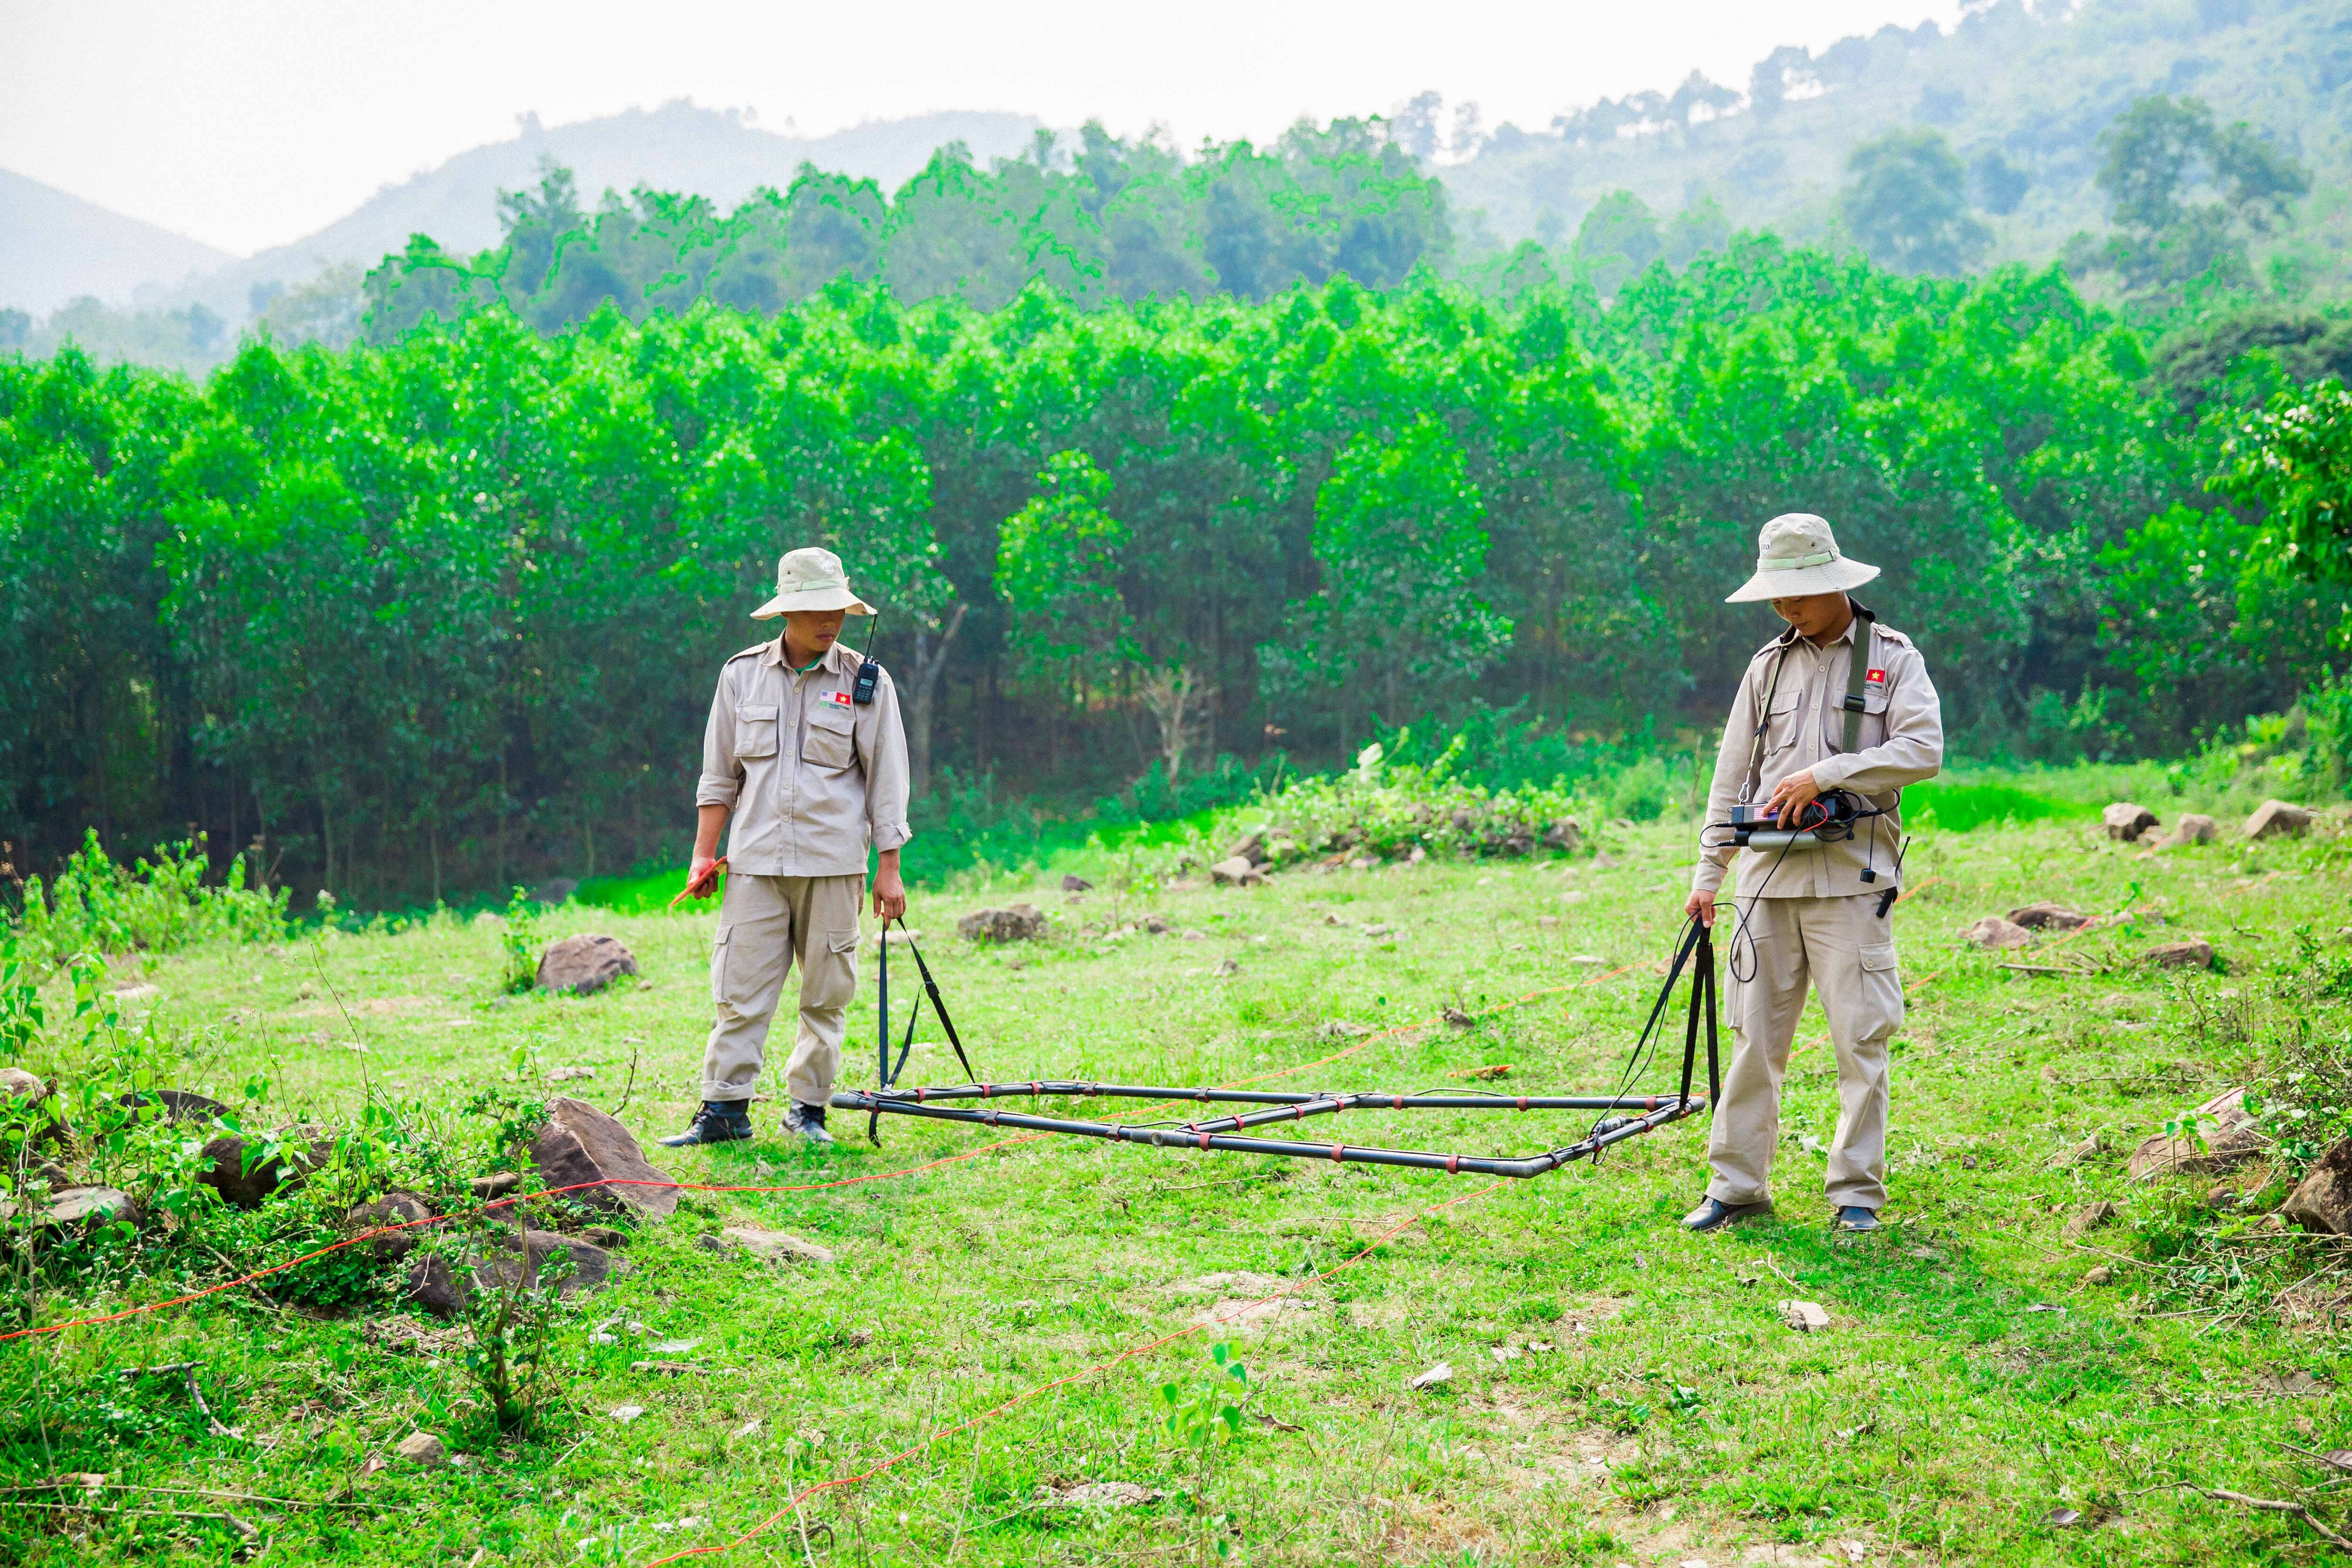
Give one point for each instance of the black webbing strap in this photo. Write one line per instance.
(886, 1072)
(1857, 674)
(1702, 1003)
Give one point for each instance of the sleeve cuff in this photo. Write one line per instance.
(889, 835)
(1829, 773)
(716, 791)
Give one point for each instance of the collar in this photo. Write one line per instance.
(837, 659)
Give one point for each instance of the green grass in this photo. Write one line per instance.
(1939, 1420)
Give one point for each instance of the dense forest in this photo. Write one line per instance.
(436, 613)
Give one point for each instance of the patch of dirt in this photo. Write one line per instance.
(1421, 1529)
(1212, 1284)
(1250, 1314)
(374, 1007)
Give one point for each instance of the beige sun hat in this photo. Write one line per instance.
(1795, 555)
(811, 579)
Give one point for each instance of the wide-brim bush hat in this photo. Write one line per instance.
(811, 579)
(1796, 554)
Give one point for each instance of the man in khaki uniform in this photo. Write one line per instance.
(810, 777)
(1815, 909)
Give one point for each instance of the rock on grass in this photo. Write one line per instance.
(1997, 933)
(1015, 922)
(2278, 820)
(585, 964)
(581, 1144)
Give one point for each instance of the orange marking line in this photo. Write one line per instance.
(1023, 1397)
(373, 1232)
(1917, 887)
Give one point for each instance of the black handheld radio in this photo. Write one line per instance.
(869, 674)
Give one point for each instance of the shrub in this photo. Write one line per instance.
(96, 906)
(1386, 810)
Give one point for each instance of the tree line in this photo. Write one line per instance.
(443, 612)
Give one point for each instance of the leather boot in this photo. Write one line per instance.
(719, 1121)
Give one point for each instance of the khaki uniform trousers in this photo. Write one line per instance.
(765, 924)
(1847, 952)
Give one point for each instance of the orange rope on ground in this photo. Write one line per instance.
(375, 1232)
(1917, 887)
(1023, 1397)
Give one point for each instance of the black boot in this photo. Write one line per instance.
(719, 1121)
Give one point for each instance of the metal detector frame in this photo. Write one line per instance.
(1696, 951)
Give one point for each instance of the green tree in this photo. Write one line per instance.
(2186, 192)
(1905, 200)
(1617, 239)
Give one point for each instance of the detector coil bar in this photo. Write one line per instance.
(1221, 1133)
(1696, 951)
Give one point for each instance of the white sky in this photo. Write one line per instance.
(246, 123)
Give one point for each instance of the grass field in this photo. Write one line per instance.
(1620, 1392)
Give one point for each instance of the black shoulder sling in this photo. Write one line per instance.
(1857, 676)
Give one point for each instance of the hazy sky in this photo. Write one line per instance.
(246, 123)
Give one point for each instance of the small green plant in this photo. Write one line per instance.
(1205, 1414)
(21, 1018)
(519, 937)
(1624, 1414)
(512, 1308)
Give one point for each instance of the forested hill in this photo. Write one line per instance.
(2021, 94)
(438, 612)
(1114, 220)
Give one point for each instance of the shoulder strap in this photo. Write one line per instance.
(1857, 672)
(1764, 719)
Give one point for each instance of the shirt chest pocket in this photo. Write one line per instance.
(1781, 718)
(1870, 731)
(755, 732)
(829, 744)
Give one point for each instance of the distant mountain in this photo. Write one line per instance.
(54, 246)
(677, 147)
(2020, 92)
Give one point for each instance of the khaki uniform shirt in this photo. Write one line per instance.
(811, 778)
(1901, 742)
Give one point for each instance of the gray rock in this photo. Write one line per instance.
(583, 965)
(2049, 916)
(496, 1184)
(1251, 849)
(581, 1144)
(1154, 926)
(2126, 820)
(1074, 883)
(82, 1208)
(769, 1245)
(2090, 1218)
(1236, 872)
(423, 1448)
(392, 1208)
(16, 1083)
(2195, 827)
(555, 890)
(2194, 953)
(575, 1267)
(1996, 933)
(2322, 1200)
(181, 1106)
(300, 1151)
(1015, 922)
(2276, 819)
(2230, 1138)
(1565, 833)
